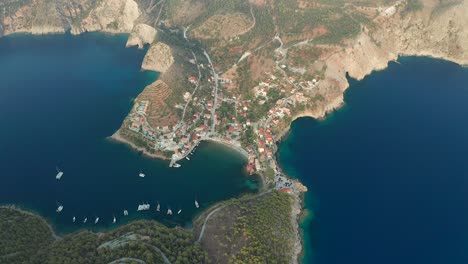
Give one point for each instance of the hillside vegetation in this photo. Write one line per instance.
(26, 238)
(251, 229)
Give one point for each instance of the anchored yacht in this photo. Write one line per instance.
(59, 174)
(143, 207)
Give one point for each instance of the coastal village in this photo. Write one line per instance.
(228, 119)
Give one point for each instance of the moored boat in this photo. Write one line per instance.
(196, 204)
(97, 220)
(125, 212)
(59, 208)
(143, 207)
(59, 174)
(85, 220)
(114, 220)
(74, 219)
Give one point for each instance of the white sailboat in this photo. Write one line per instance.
(187, 158)
(143, 207)
(180, 210)
(169, 211)
(97, 220)
(114, 220)
(59, 208)
(59, 174)
(85, 220)
(158, 208)
(125, 212)
(196, 204)
(74, 219)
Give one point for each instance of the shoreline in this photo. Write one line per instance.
(117, 138)
(32, 213)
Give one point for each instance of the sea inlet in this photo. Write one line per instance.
(388, 173)
(61, 97)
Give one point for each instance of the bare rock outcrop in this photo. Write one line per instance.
(113, 16)
(141, 34)
(158, 58)
(423, 33)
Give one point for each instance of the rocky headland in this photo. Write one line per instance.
(141, 34)
(158, 58)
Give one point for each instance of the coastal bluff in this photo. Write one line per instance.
(141, 34)
(158, 58)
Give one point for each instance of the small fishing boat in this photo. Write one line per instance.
(114, 220)
(187, 158)
(196, 204)
(158, 208)
(180, 210)
(74, 219)
(85, 220)
(141, 174)
(125, 212)
(176, 165)
(169, 211)
(97, 220)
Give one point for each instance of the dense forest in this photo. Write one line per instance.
(26, 238)
(250, 229)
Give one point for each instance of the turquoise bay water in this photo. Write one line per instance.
(388, 173)
(60, 98)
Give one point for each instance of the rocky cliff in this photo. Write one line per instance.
(42, 16)
(424, 33)
(113, 16)
(158, 58)
(141, 34)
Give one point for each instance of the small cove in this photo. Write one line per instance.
(61, 97)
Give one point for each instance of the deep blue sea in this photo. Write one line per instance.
(388, 173)
(61, 96)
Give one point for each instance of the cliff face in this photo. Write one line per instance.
(42, 16)
(141, 34)
(114, 16)
(158, 58)
(423, 33)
